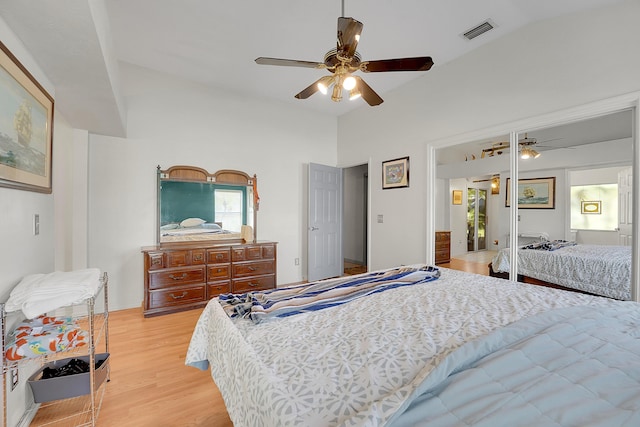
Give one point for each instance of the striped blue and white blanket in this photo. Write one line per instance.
(284, 302)
(549, 245)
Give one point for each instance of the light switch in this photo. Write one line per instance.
(36, 224)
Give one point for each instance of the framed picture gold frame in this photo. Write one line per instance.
(395, 173)
(534, 193)
(456, 197)
(26, 128)
(591, 207)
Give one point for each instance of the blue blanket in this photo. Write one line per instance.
(283, 302)
(578, 366)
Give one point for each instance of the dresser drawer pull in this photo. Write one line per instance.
(156, 261)
(252, 268)
(219, 256)
(220, 270)
(198, 257)
(184, 294)
(253, 285)
(182, 276)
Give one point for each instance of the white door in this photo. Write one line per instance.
(625, 207)
(324, 235)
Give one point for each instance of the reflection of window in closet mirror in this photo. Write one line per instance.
(589, 152)
(194, 205)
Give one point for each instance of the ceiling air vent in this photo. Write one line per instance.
(478, 30)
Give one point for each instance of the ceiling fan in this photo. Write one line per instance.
(525, 144)
(343, 61)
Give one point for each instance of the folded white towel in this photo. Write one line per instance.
(38, 294)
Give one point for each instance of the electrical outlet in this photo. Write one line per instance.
(380, 219)
(296, 261)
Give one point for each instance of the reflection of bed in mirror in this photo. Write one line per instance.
(195, 205)
(597, 269)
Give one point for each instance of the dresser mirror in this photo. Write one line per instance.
(195, 205)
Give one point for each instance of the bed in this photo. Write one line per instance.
(597, 269)
(462, 349)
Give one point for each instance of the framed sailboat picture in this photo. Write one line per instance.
(535, 193)
(26, 134)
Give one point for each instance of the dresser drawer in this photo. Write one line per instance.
(215, 289)
(177, 258)
(268, 251)
(255, 268)
(249, 253)
(217, 272)
(178, 296)
(218, 256)
(176, 277)
(442, 245)
(254, 283)
(443, 236)
(155, 260)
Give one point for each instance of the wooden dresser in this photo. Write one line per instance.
(443, 247)
(185, 276)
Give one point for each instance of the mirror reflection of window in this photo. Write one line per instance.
(229, 208)
(594, 207)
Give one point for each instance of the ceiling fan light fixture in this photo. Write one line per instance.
(349, 83)
(324, 83)
(336, 96)
(354, 94)
(528, 153)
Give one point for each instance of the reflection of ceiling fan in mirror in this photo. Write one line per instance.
(525, 145)
(343, 61)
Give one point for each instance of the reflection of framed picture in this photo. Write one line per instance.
(456, 199)
(591, 207)
(395, 173)
(536, 193)
(26, 119)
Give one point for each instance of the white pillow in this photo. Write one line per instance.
(212, 226)
(192, 222)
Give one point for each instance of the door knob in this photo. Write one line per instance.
(314, 228)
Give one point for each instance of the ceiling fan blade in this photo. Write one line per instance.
(367, 93)
(348, 35)
(289, 62)
(309, 90)
(422, 63)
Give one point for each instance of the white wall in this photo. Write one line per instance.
(545, 67)
(21, 252)
(172, 122)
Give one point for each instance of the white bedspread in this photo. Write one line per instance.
(356, 364)
(598, 269)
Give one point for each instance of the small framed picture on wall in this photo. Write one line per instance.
(456, 197)
(395, 173)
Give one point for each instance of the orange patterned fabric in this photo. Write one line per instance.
(44, 335)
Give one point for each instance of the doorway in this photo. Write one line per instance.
(476, 219)
(355, 218)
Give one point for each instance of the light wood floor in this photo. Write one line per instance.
(475, 262)
(150, 385)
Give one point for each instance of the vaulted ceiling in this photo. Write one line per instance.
(79, 45)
